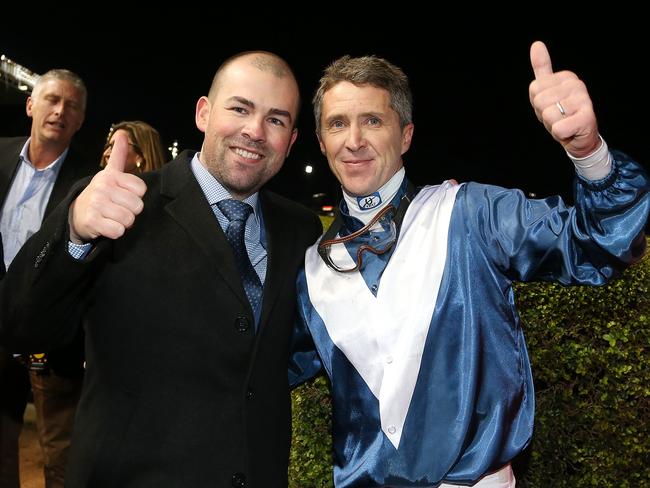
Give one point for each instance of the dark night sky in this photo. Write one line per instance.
(472, 117)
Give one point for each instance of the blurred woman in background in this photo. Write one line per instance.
(145, 146)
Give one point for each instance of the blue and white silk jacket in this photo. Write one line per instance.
(430, 375)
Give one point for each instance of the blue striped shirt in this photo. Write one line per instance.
(24, 207)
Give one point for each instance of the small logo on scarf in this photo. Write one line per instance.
(369, 201)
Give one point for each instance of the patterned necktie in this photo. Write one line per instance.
(237, 213)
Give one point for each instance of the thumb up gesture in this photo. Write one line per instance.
(562, 104)
(109, 204)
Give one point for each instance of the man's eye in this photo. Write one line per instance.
(276, 121)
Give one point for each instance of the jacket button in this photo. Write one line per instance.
(238, 480)
(242, 324)
(249, 394)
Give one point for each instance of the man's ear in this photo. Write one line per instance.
(294, 136)
(320, 143)
(202, 116)
(407, 137)
(28, 106)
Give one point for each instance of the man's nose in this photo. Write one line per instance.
(254, 129)
(356, 139)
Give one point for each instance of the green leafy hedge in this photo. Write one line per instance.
(590, 353)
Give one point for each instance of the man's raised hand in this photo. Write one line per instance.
(562, 103)
(110, 203)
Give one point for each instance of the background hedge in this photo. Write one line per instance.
(590, 352)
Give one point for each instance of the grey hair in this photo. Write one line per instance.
(63, 75)
(367, 70)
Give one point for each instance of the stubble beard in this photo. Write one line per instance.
(239, 179)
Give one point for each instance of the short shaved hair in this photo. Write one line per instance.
(264, 61)
(62, 75)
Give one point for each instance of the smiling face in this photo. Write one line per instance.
(361, 136)
(57, 109)
(248, 122)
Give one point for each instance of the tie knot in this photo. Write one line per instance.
(235, 210)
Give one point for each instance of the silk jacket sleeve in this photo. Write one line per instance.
(304, 362)
(548, 240)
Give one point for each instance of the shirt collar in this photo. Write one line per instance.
(353, 223)
(365, 207)
(24, 157)
(213, 190)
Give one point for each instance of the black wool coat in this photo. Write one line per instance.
(179, 390)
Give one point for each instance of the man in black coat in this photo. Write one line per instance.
(35, 175)
(186, 381)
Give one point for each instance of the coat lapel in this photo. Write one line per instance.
(9, 153)
(279, 248)
(189, 208)
(73, 168)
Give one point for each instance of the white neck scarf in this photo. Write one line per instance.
(383, 336)
(366, 207)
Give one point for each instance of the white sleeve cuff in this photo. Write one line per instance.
(596, 165)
